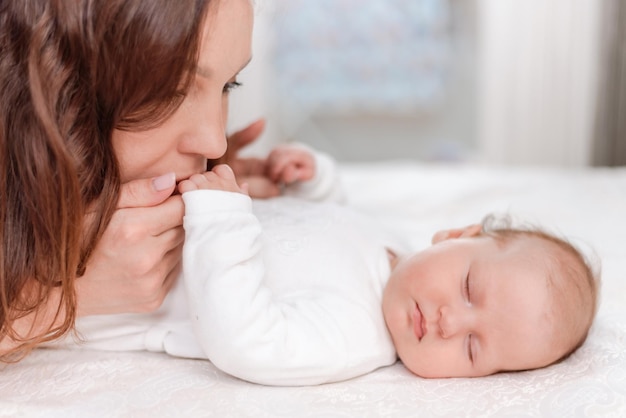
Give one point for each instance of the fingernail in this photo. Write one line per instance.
(164, 182)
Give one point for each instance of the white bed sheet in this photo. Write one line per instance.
(417, 199)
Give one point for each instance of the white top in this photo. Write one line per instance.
(281, 291)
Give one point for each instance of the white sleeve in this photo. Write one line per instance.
(325, 184)
(240, 324)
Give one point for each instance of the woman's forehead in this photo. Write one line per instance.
(226, 44)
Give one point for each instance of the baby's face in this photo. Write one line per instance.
(472, 307)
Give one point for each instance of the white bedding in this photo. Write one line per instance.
(586, 205)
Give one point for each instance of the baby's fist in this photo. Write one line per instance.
(288, 164)
(221, 177)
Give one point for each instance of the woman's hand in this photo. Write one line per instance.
(237, 141)
(137, 260)
(248, 171)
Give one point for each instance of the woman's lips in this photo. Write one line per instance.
(418, 323)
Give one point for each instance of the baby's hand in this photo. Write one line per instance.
(288, 164)
(221, 177)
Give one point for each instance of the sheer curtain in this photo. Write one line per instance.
(610, 133)
(538, 80)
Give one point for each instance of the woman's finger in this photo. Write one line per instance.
(146, 192)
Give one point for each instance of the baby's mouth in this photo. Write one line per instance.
(418, 323)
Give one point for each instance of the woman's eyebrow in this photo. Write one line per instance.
(206, 73)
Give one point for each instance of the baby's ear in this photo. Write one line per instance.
(468, 231)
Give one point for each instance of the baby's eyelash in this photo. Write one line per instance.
(470, 353)
(231, 86)
(467, 287)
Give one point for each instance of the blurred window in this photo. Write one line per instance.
(335, 56)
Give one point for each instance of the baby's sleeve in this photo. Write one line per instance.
(325, 185)
(242, 327)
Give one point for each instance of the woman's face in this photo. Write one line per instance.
(196, 130)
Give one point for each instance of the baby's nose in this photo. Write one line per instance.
(451, 322)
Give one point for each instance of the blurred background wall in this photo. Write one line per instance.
(495, 81)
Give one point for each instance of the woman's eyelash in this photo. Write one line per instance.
(231, 86)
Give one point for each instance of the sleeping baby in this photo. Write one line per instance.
(300, 289)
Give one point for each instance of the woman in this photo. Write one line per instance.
(104, 106)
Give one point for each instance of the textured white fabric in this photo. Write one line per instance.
(586, 205)
(291, 300)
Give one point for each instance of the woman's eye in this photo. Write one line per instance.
(230, 86)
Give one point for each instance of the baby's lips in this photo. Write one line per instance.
(418, 323)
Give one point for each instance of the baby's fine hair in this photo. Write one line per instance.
(575, 274)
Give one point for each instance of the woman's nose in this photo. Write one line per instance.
(452, 321)
(207, 137)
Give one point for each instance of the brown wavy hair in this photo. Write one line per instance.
(70, 73)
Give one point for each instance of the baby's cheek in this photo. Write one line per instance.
(436, 361)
